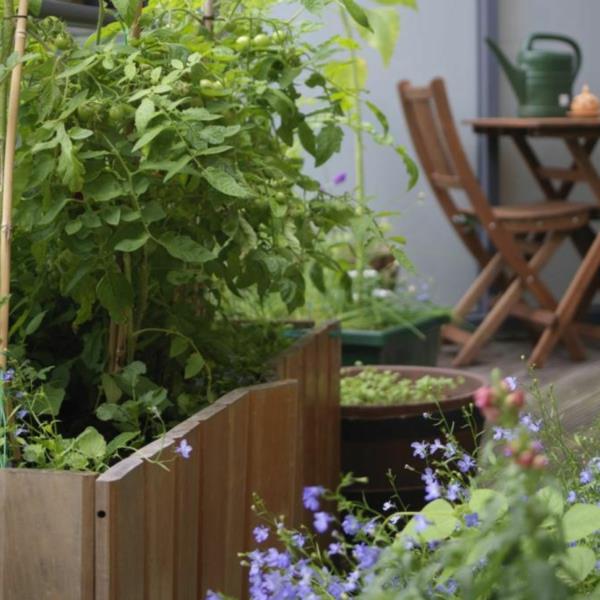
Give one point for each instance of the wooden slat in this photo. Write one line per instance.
(46, 535)
(272, 452)
(159, 501)
(446, 181)
(539, 316)
(560, 173)
(237, 496)
(213, 514)
(455, 334)
(188, 476)
(120, 532)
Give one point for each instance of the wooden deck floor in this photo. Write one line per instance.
(576, 385)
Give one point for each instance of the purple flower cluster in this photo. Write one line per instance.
(424, 449)
(274, 574)
(434, 489)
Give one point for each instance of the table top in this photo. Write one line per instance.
(547, 126)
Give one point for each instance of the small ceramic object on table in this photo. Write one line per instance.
(585, 104)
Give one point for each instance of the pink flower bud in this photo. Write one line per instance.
(484, 397)
(539, 462)
(516, 399)
(526, 458)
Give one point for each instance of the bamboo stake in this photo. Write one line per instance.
(209, 15)
(7, 189)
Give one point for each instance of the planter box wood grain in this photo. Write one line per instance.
(158, 527)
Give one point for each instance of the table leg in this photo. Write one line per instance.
(532, 161)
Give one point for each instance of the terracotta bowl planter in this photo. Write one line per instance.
(376, 439)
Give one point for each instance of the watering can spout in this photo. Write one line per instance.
(515, 75)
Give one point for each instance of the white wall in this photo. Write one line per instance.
(517, 19)
(438, 39)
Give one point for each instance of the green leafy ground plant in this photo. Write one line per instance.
(375, 387)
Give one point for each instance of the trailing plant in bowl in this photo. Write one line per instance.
(385, 407)
(373, 387)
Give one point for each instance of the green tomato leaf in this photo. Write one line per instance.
(225, 183)
(384, 31)
(409, 164)
(193, 365)
(144, 114)
(178, 346)
(357, 13)
(407, 3)
(150, 135)
(131, 245)
(580, 521)
(35, 323)
(185, 248)
(104, 188)
(91, 443)
(328, 142)
(383, 121)
(115, 294)
(126, 9)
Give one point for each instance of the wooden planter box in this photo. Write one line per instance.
(141, 531)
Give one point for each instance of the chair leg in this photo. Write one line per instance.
(484, 280)
(568, 306)
(490, 324)
(511, 297)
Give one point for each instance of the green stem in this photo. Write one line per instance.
(359, 158)
(100, 22)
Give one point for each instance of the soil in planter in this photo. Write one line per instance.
(377, 439)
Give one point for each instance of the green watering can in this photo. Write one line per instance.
(542, 79)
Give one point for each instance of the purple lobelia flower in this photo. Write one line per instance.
(388, 505)
(433, 491)
(472, 520)
(511, 383)
(453, 492)
(311, 495)
(8, 375)
(585, 477)
(335, 548)
(350, 525)
(571, 497)
(22, 413)
(466, 463)
(298, 540)
(366, 555)
(421, 523)
(210, 595)
(340, 178)
(321, 521)
(184, 449)
(260, 533)
(435, 446)
(419, 449)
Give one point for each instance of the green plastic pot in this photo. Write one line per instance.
(395, 346)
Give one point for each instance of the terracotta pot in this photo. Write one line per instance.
(376, 439)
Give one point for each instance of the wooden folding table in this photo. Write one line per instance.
(580, 136)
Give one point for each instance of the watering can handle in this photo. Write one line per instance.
(558, 38)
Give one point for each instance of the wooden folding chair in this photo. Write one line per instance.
(525, 236)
